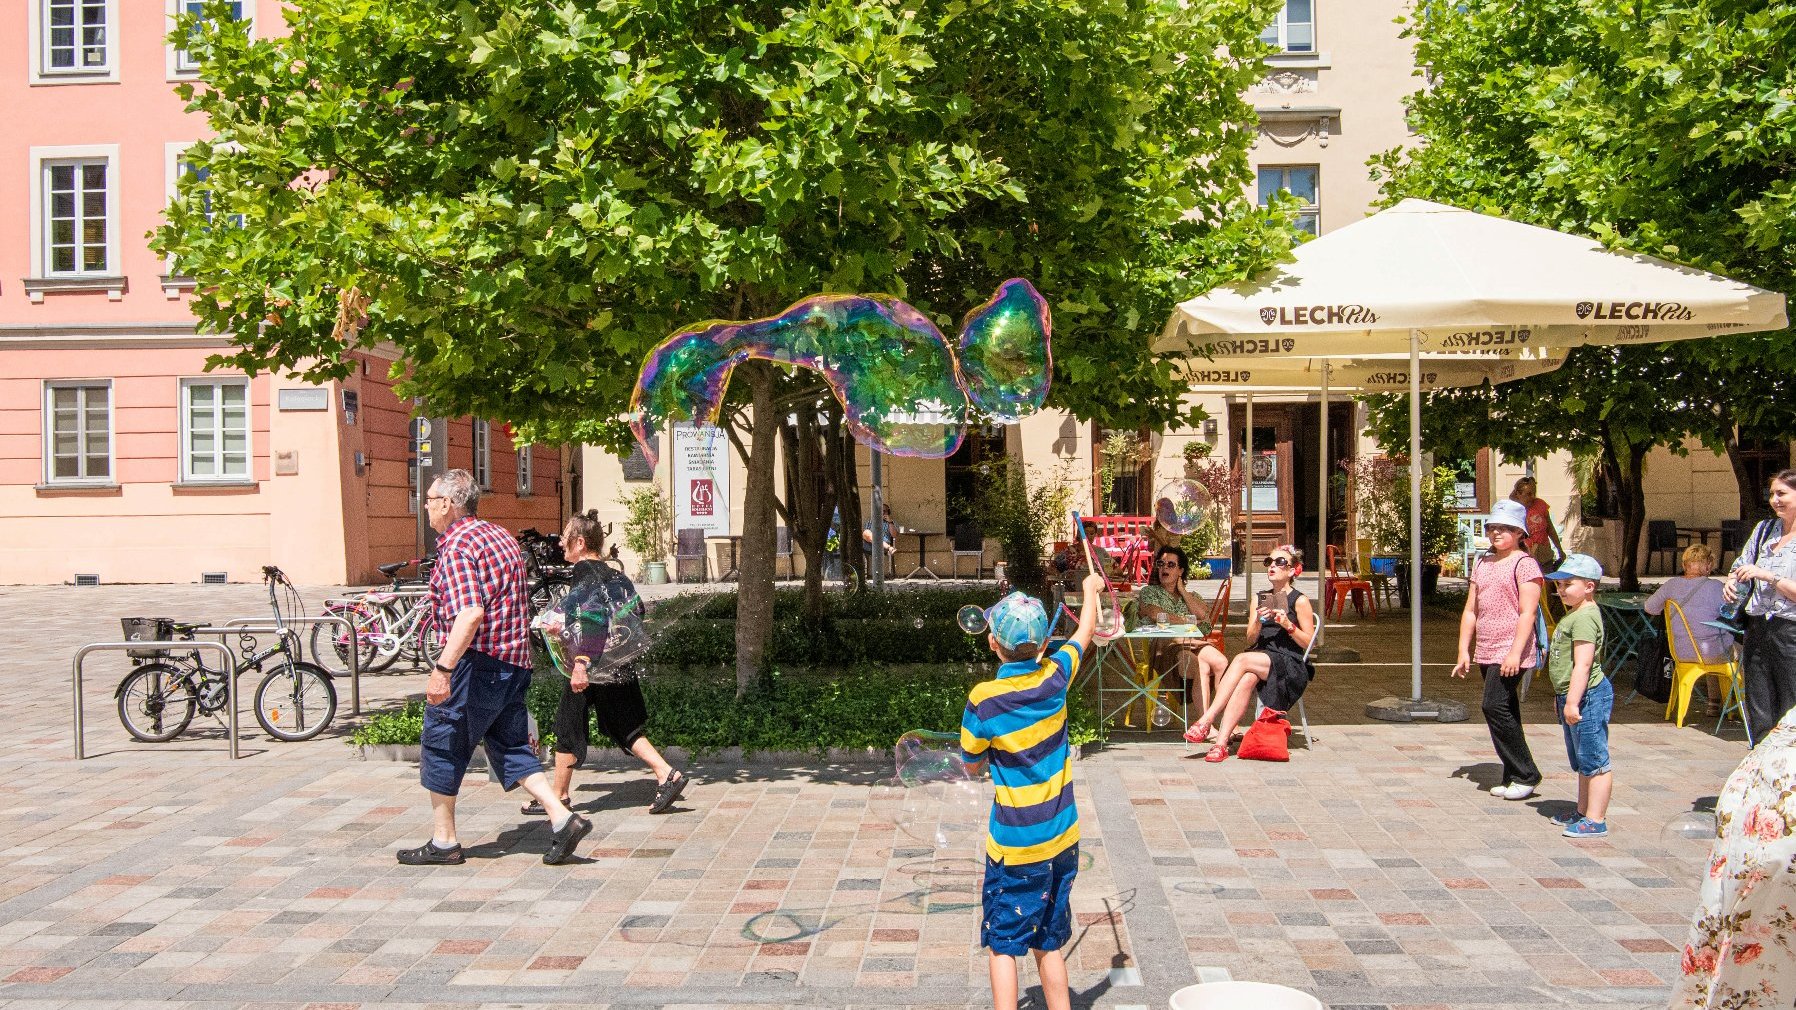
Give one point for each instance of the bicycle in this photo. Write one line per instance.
(158, 699)
(547, 569)
(388, 624)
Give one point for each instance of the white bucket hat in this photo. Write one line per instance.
(1508, 513)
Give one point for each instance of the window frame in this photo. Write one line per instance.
(179, 66)
(184, 448)
(174, 156)
(1313, 209)
(526, 469)
(42, 160)
(1280, 28)
(483, 454)
(38, 36)
(50, 479)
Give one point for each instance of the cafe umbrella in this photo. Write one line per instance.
(1425, 278)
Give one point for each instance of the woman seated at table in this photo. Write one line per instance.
(1277, 664)
(1166, 596)
(1700, 598)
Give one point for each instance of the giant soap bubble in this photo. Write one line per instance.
(904, 389)
(933, 798)
(1181, 505)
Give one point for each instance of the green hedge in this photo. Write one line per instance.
(708, 642)
(906, 602)
(866, 706)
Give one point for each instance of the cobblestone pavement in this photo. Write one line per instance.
(1372, 870)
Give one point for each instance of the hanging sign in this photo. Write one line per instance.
(701, 471)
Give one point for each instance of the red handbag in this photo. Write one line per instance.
(1268, 739)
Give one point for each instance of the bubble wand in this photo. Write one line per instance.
(1106, 630)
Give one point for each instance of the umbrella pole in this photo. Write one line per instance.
(1248, 510)
(1414, 707)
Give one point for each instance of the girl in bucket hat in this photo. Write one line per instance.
(1496, 634)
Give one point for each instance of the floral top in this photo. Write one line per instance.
(1740, 954)
(1160, 598)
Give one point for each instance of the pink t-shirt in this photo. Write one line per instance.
(1500, 607)
(1540, 514)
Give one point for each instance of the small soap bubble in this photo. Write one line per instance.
(917, 623)
(1181, 506)
(933, 798)
(971, 619)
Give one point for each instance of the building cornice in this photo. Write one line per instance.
(79, 336)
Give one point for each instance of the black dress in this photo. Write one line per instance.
(1290, 673)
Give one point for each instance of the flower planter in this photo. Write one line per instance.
(1219, 567)
(654, 573)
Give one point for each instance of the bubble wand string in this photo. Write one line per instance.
(1092, 565)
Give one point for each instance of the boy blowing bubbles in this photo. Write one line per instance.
(1015, 724)
(1585, 697)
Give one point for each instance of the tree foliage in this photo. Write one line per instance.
(1659, 126)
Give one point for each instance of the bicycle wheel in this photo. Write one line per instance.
(295, 701)
(548, 591)
(155, 703)
(330, 643)
(383, 619)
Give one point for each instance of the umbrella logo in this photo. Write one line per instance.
(1585, 309)
(1268, 315)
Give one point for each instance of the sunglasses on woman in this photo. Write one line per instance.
(1278, 562)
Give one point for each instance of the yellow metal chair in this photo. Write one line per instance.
(1686, 672)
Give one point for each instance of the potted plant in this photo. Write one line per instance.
(1380, 488)
(1195, 453)
(648, 522)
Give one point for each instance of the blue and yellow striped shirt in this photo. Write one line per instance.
(1018, 721)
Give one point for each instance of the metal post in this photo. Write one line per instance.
(1321, 558)
(1415, 515)
(224, 651)
(878, 553)
(1247, 489)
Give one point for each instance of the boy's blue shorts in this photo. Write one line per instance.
(1028, 906)
(1587, 743)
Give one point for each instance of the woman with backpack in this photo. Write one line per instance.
(1764, 576)
(1497, 634)
(602, 633)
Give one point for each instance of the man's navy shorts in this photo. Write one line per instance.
(1028, 906)
(485, 705)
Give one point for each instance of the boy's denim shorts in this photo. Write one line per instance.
(1028, 906)
(1587, 743)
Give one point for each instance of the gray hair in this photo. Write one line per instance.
(458, 488)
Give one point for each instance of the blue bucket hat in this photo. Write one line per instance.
(1018, 619)
(1579, 566)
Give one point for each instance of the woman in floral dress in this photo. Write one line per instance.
(1742, 949)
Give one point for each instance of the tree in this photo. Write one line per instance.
(1659, 126)
(525, 198)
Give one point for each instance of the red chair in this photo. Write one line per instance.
(1125, 538)
(1219, 615)
(1338, 588)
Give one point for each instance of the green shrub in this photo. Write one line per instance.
(401, 726)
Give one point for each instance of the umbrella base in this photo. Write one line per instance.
(1407, 710)
(1333, 654)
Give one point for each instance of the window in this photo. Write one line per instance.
(181, 62)
(1299, 181)
(526, 470)
(1295, 29)
(215, 430)
(483, 454)
(200, 174)
(75, 215)
(75, 37)
(77, 432)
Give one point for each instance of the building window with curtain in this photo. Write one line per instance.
(1302, 182)
(183, 62)
(76, 222)
(78, 432)
(75, 38)
(526, 471)
(483, 454)
(1294, 30)
(215, 430)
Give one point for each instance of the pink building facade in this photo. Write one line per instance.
(121, 456)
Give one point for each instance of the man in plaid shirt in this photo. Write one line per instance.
(480, 601)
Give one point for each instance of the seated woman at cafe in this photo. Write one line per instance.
(1700, 598)
(1193, 659)
(1276, 665)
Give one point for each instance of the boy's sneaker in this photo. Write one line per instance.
(1517, 791)
(1569, 817)
(1586, 828)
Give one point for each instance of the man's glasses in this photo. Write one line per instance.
(1278, 562)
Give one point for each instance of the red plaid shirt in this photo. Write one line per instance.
(479, 564)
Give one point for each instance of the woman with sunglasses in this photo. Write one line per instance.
(1166, 596)
(1281, 629)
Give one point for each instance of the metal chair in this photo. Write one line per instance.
(782, 548)
(1341, 587)
(689, 547)
(969, 542)
(1733, 540)
(1687, 671)
(1661, 538)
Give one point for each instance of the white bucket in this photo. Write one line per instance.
(1242, 996)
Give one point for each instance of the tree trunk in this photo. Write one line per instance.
(754, 587)
(808, 509)
(1632, 492)
(1752, 499)
(848, 495)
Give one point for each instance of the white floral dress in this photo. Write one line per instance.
(1742, 949)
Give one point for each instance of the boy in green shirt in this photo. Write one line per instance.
(1585, 697)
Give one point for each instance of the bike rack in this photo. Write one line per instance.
(180, 645)
(264, 625)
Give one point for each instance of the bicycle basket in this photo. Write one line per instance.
(147, 629)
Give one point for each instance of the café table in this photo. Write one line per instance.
(735, 542)
(1626, 626)
(1131, 679)
(1699, 533)
(922, 552)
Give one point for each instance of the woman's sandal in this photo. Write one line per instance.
(1218, 753)
(1197, 732)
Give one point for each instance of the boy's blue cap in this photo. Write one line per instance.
(1579, 566)
(1018, 619)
